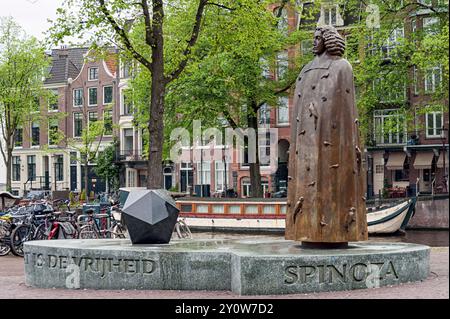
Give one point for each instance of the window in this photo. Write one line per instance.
(53, 100)
(18, 141)
(77, 124)
(265, 68)
(16, 168)
(281, 14)
(392, 42)
(401, 175)
(434, 124)
(282, 64)
(35, 134)
(53, 132)
(59, 168)
(221, 176)
(73, 158)
(93, 74)
(390, 88)
(204, 173)
(330, 15)
(431, 25)
(433, 79)
(93, 101)
(283, 110)
(379, 169)
(107, 95)
(415, 80)
(127, 103)
(246, 187)
(31, 162)
(108, 120)
(264, 148)
(264, 114)
(78, 97)
(125, 70)
(93, 117)
(390, 127)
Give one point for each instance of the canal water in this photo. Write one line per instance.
(432, 238)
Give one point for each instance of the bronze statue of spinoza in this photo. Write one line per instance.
(326, 203)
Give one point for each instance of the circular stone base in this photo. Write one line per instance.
(246, 267)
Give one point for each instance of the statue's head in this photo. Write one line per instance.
(326, 38)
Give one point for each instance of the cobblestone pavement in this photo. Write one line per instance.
(12, 286)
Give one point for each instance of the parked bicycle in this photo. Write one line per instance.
(182, 229)
(103, 225)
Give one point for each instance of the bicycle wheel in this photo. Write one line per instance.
(87, 232)
(4, 248)
(21, 234)
(40, 233)
(183, 230)
(118, 232)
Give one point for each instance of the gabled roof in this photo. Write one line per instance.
(66, 63)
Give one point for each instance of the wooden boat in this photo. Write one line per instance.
(270, 215)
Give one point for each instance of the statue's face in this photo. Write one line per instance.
(319, 43)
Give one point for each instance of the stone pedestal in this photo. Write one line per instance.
(246, 267)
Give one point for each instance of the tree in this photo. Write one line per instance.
(23, 65)
(88, 145)
(170, 30)
(391, 58)
(247, 68)
(106, 167)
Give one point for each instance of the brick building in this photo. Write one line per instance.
(84, 89)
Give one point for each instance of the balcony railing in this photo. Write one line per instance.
(131, 156)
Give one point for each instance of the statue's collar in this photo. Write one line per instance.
(321, 62)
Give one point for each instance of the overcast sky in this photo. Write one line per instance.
(32, 15)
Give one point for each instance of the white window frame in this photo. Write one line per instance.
(89, 117)
(55, 93)
(283, 111)
(219, 172)
(428, 23)
(104, 95)
(433, 78)
(383, 115)
(74, 135)
(393, 41)
(206, 172)
(74, 96)
(435, 129)
(89, 96)
(282, 64)
(89, 74)
(415, 80)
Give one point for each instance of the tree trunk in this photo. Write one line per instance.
(86, 180)
(156, 123)
(8, 170)
(256, 190)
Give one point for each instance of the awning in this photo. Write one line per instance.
(440, 163)
(423, 160)
(396, 161)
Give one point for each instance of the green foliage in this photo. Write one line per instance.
(23, 64)
(384, 59)
(83, 196)
(106, 167)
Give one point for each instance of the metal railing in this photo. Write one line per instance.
(131, 155)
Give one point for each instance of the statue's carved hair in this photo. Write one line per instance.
(334, 43)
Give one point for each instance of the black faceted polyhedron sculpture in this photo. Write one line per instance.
(150, 216)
